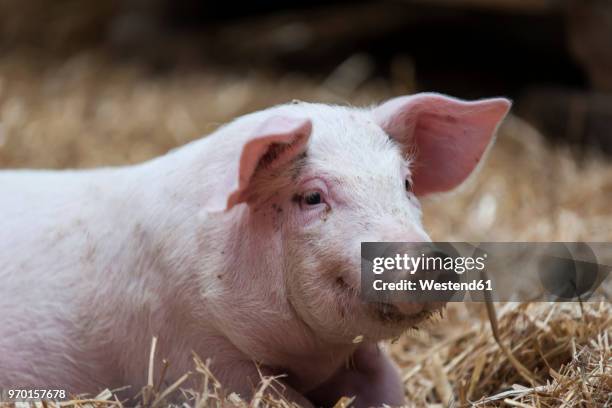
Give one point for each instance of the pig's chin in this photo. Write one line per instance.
(383, 321)
(379, 320)
(389, 314)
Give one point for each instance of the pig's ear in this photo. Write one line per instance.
(273, 143)
(447, 137)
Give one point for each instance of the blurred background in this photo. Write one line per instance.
(87, 84)
(97, 83)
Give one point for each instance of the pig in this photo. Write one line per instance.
(242, 247)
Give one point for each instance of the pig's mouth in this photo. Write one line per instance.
(389, 313)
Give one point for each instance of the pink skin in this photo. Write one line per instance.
(242, 247)
(369, 374)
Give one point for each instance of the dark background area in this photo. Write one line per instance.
(553, 57)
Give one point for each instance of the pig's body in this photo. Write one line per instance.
(93, 264)
(89, 279)
(79, 279)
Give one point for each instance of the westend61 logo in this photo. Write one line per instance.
(498, 271)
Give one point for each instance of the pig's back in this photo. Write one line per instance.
(35, 209)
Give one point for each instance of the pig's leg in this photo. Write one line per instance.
(243, 378)
(370, 376)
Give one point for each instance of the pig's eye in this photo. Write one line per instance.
(312, 198)
(408, 185)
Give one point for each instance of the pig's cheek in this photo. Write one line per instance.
(415, 202)
(312, 216)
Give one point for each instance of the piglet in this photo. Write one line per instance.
(243, 247)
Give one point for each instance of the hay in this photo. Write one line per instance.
(565, 350)
(88, 111)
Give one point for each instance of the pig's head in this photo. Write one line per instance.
(318, 180)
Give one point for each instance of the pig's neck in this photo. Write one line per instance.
(250, 303)
(223, 279)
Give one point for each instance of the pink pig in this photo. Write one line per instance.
(243, 247)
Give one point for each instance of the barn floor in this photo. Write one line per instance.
(88, 111)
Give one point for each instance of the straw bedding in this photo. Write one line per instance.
(87, 111)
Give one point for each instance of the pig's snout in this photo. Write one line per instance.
(418, 301)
